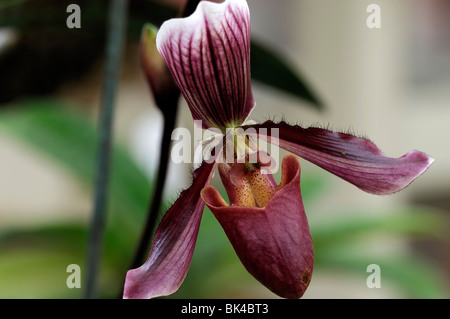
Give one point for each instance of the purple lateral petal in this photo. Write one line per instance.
(171, 253)
(273, 243)
(208, 54)
(354, 159)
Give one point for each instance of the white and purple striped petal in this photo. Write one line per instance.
(208, 54)
(354, 159)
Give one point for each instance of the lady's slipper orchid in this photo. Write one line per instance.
(208, 55)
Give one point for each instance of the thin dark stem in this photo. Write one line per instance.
(156, 200)
(155, 205)
(115, 43)
(168, 106)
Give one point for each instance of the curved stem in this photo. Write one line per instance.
(155, 205)
(168, 105)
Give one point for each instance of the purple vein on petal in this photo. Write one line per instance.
(354, 159)
(208, 54)
(171, 253)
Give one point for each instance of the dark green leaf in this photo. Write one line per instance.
(69, 139)
(270, 68)
(74, 50)
(51, 15)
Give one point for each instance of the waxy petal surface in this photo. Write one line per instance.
(273, 243)
(208, 54)
(171, 253)
(354, 159)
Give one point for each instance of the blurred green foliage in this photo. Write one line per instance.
(33, 261)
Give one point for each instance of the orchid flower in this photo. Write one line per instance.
(208, 54)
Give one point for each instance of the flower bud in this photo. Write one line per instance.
(162, 85)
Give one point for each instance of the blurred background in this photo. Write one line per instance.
(389, 84)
